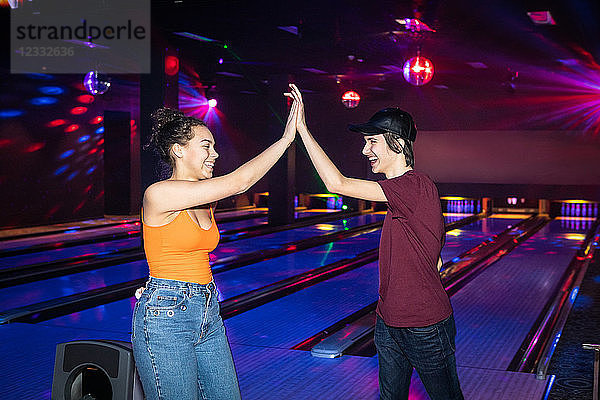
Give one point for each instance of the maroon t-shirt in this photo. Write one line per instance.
(410, 289)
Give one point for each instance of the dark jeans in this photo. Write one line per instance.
(429, 350)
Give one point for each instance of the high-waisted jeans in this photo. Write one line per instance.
(179, 343)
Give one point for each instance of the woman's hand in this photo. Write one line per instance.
(289, 133)
(297, 96)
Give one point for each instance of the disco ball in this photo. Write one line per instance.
(350, 99)
(418, 71)
(95, 83)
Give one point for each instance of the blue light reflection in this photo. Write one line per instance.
(52, 90)
(43, 101)
(66, 154)
(60, 170)
(10, 113)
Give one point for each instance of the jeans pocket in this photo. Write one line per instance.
(423, 331)
(450, 334)
(165, 299)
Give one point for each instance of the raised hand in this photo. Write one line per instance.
(289, 133)
(297, 96)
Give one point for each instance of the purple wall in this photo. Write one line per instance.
(50, 173)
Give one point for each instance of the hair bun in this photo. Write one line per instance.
(164, 116)
(171, 126)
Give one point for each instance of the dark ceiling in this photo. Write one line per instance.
(360, 43)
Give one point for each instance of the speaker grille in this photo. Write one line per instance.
(80, 354)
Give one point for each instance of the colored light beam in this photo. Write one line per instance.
(566, 99)
(574, 102)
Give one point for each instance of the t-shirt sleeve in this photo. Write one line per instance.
(401, 195)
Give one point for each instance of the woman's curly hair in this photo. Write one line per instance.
(169, 127)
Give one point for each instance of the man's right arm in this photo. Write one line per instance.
(334, 180)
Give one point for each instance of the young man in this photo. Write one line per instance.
(415, 326)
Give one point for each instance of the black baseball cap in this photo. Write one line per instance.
(392, 120)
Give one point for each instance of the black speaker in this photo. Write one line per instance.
(95, 370)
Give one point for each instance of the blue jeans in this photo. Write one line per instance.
(179, 343)
(429, 350)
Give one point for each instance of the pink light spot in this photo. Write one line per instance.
(71, 128)
(96, 120)
(78, 110)
(56, 122)
(79, 206)
(34, 147)
(85, 99)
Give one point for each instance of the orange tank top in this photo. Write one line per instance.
(179, 250)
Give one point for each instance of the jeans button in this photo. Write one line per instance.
(156, 312)
(183, 307)
(170, 313)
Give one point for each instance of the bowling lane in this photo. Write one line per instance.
(246, 223)
(287, 321)
(234, 282)
(34, 292)
(495, 311)
(241, 280)
(109, 246)
(74, 283)
(92, 249)
(276, 239)
(465, 238)
(241, 213)
(73, 234)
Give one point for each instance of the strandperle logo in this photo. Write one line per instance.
(63, 36)
(83, 31)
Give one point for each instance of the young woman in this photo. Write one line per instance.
(179, 342)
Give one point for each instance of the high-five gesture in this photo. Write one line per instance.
(297, 97)
(331, 176)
